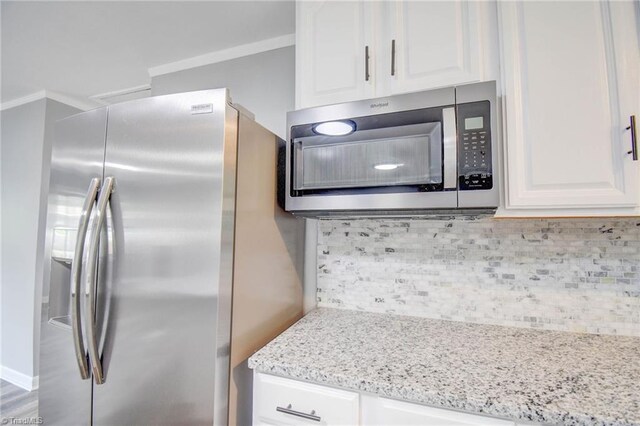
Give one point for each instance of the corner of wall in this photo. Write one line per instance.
(54, 111)
(22, 135)
(310, 262)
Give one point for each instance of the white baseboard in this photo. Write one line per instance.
(22, 380)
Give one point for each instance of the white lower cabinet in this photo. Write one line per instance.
(280, 401)
(383, 411)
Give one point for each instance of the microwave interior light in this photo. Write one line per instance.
(387, 166)
(335, 128)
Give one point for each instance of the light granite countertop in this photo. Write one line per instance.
(522, 374)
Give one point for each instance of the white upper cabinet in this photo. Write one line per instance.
(568, 78)
(331, 43)
(411, 46)
(429, 44)
(571, 82)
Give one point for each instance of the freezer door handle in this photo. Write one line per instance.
(76, 273)
(91, 279)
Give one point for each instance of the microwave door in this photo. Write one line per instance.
(371, 161)
(397, 161)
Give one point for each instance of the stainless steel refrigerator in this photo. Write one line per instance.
(168, 263)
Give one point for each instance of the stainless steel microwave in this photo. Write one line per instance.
(402, 154)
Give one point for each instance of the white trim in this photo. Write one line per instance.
(225, 55)
(98, 100)
(55, 96)
(79, 103)
(595, 211)
(23, 100)
(310, 253)
(22, 380)
(102, 97)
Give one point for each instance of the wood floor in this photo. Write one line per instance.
(17, 403)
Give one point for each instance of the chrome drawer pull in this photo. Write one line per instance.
(288, 410)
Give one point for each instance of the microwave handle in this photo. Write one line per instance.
(450, 148)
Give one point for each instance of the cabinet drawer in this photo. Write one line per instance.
(388, 412)
(279, 401)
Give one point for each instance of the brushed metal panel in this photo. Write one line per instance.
(367, 107)
(399, 202)
(269, 251)
(227, 239)
(488, 197)
(172, 227)
(77, 157)
(450, 148)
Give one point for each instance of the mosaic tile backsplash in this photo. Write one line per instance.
(562, 274)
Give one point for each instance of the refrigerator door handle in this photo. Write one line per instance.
(90, 286)
(76, 273)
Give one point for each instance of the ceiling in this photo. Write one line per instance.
(82, 49)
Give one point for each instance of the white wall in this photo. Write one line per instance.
(25, 148)
(22, 150)
(54, 112)
(263, 83)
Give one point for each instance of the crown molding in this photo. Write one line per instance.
(96, 101)
(224, 55)
(82, 104)
(55, 96)
(103, 98)
(23, 100)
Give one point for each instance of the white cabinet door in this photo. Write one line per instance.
(331, 38)
(388, 412)
(436, 44)
(570, 73)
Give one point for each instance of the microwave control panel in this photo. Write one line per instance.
(475, 170)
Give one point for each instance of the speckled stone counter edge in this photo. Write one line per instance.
(522, 412)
